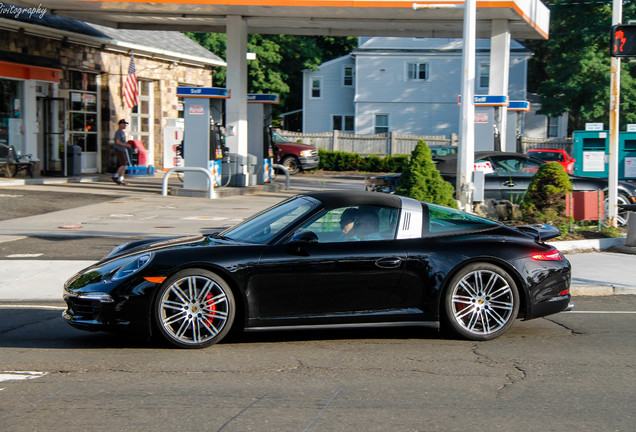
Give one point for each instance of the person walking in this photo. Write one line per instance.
(121, 148)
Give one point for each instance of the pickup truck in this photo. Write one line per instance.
(294, 156)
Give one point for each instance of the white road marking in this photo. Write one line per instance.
(23, 306)
(19, 375)
(206, 218)
(602, 312)
(24, 255)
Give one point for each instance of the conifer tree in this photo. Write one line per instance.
(421, 179)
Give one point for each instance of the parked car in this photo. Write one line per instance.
(442, 150)
(554, 155)
(507, 176)
(294, 156)
(411, 263)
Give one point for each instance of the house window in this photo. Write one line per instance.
(381, 123)
(553, 127)
(342, 123)
(416, 71)
(484, 75)
(316, 85)
(347, 76)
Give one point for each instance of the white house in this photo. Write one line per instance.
(410, 85)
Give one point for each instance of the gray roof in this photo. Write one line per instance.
(174, 41)
(166, 40)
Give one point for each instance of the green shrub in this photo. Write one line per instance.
(421, 179)
(343, 161)
(544, 201)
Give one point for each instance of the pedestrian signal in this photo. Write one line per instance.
(623, 41)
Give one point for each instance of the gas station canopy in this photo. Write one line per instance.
(527, 19)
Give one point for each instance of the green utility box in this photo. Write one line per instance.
(591, 151)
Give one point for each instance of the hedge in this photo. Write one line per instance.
(343, 161)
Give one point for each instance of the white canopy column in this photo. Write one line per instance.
(499, 73)
(236, 82)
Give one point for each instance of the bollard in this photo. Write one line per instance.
(631, 229)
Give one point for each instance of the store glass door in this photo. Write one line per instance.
(54, 132)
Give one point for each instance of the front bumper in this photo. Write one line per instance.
(311, 162)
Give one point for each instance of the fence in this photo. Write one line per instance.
(395, 143)
(392, 143)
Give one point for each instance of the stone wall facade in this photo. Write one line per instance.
(111, 69)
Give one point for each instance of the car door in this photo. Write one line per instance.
(332, 275)
(511, 176)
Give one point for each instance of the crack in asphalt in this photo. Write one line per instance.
(517, 376)
(10, 329)
(571, 330)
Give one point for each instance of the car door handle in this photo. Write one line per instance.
(509, 183)
(391, 262)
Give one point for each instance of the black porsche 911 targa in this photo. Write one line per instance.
(327, 259)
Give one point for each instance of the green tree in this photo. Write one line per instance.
(544, 201)
(280, 60)
(421, 179)
(571, 71)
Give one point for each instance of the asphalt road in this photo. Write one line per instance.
(568, 372)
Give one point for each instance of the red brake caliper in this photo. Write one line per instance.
(211, 308)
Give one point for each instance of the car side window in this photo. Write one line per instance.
(354, 223)
(446, 220)
(514, 166)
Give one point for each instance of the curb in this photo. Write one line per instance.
(589, 245)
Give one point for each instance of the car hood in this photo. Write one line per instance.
(296, 146)
(154, 244)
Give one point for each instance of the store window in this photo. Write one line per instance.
(83, 110)
(11, 122)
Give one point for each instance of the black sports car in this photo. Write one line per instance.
(324, 259)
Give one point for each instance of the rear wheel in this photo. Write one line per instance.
(621, 216)
(291, 164)
(195, 308)
(481, 302)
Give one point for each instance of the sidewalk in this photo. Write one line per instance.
(146, 213)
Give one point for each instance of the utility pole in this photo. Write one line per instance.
(615, 99)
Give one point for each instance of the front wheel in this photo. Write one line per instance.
(291, 164)
(195, 308)
(481, 302)
(621, 216)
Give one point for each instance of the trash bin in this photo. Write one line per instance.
(74, 161)
(252, 169)
(232, 170)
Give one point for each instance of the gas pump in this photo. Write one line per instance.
(218, 150)
(203, 136)
(259, 143)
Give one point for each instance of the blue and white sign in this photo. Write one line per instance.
(204, 92)
(263, 98)
(487, 100)
(519, 106)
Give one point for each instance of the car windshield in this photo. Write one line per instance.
(266, 225)
(548, 156)
(278, 138)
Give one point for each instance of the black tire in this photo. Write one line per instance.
(194, 308)
(621, 216)
(481, 302)
(292, 164)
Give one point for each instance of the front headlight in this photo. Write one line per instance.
(305, 153)
(133, 266)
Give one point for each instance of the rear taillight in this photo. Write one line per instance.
(553, 255)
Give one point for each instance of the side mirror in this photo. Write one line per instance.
(304, 237)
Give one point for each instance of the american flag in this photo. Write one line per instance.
(131, 88)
